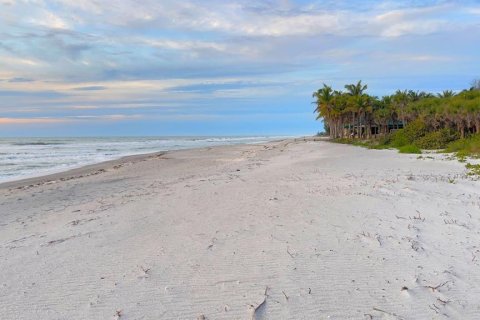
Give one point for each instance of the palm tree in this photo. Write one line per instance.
(324, 97)
(355, 105)
(446, 94)
(414, 95)
(340, 113)
(426, 95)
(366, 107)
(384, 113)
(382, 117)
(356, 89)
(401, 100)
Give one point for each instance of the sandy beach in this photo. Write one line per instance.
(293, 229)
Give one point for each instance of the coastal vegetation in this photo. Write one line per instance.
(408, 120)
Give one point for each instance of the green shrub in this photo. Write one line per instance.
(465, 147)
(409, 148)
(415, 130)
(456, 146)
(399, 139)
(412, 131)
(436, 139)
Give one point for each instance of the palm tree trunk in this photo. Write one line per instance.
(368, 132)
(342, 131)
(359, 129)
(353, 129)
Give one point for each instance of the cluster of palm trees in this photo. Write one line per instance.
(353, 113)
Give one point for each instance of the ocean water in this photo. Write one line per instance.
(30, 157)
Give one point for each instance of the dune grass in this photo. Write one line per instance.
(417, 136)
(468, 147)
(473, 169)
(410, 148)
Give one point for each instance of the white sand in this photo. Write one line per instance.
(332, 231)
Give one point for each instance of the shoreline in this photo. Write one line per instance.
(77, 172)
(59, 168)
(83, 170)
(291, 229)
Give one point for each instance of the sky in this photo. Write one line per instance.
(217, 67)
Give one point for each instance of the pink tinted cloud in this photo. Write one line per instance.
(7, 121)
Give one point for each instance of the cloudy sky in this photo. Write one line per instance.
(216, 67)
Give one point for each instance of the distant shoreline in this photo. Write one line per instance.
(40, 142)
(90, 169)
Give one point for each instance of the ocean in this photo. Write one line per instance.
(31, 157)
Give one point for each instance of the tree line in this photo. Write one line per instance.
(352, 113)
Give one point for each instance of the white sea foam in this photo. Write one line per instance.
(30, 157)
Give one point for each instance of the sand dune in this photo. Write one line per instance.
(286, 230)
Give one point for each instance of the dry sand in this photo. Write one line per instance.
(284, 230)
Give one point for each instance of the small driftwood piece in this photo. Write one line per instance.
(437, 287)
(290, 254)
(389, 313)
(254, 309)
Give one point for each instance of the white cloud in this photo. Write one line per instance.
(414, 21)
(82, 107)
(10, 61)
(412, 27)
(236, 18)
(48, 19)
(184, 45)
(109, 117)
(475, 10)
(414, 57)
(7, 2)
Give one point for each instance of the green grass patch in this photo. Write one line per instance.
(409, 148)
(370, 144)
(360, 143)
(379, 146)
(468, 147)
(473, 169)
